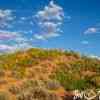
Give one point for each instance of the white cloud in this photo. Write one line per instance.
(21, 40)
(50, 27)
(94, 56)
(5, 17)
(92, 30)
(49, 21)
(23, 46)
(39, 37)
(11, 41)
(6, 48)
(6, 35)
(51, 12)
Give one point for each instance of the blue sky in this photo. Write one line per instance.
(66, 24)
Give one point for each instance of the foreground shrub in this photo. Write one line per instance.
(38, 90)
(44, 94)
(38, 94)
(70, 82)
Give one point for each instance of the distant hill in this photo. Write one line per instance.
(51, 71)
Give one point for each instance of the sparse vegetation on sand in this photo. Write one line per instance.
(40, 74)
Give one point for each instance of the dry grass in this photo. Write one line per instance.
(48, 73)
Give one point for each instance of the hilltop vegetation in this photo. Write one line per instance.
(42, 74)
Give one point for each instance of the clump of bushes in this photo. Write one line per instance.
(69, 80)
(47, 84)
(18, 72)
(38, 90)
(44, 94)
(14, 89)
(38, 94)
(72, 53)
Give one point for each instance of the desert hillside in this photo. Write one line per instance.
(41, 74)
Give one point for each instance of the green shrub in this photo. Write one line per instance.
(72, 53)
(70, 82)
